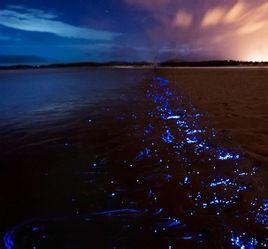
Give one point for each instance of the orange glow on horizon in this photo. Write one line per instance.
(258, 57)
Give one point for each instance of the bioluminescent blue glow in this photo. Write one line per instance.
(179, 174)
(189, 143)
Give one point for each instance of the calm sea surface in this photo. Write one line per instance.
(26, 93)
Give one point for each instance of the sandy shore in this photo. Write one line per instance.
(236, 100)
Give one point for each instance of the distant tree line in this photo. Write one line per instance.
(168, 63)
(213, 63)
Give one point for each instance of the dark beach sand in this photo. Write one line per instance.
(236, 100)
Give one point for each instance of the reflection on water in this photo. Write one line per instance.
(147, 171)
(33, 94)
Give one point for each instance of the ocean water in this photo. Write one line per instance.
(119, 158)
(26, 93)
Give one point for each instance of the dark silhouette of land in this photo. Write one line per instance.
(213, 63)
(168, 63)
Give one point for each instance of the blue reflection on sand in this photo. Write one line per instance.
(188, 135)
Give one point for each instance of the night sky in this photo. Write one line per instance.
(54, 31)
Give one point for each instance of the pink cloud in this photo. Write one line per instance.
(213, 17)
(231, 30)
(236, 12)
(183, 19)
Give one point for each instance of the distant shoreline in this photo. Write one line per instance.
(166, 64)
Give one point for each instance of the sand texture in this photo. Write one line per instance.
(236, 100)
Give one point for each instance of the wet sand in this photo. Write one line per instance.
(236, 100)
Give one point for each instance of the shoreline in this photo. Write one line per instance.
(8, 69)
